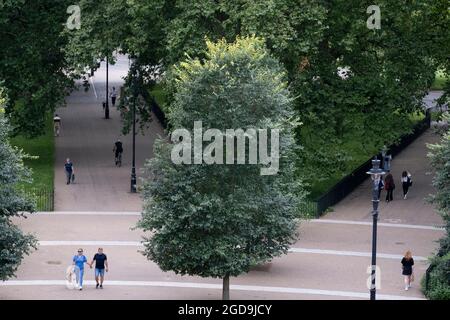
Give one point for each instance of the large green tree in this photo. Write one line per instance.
(440, 162)
(32, 61)
(13, 243)
(219, 220)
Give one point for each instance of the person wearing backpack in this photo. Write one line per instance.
(389, 186)
(406, 183)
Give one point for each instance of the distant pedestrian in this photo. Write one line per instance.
(407, 269)
(389, 186)
(78, 261)
(380, 186)
(70, 172)
(118, 150)
(101, 265)
(387, 162)
(113, 96)
(56, 124)
(406, 183)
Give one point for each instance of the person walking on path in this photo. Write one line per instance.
(68, 166)
(389, 185)
(56, 124)
(406, 183)
(407, 269)
(78, 261)
(113, 96)
(118, 150)
(101, 265)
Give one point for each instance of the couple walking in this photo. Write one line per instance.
(101, 265)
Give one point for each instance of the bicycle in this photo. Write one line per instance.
(118, 159)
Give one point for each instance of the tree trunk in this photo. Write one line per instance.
(226, 288)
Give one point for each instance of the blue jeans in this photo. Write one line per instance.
(79, 273)
(99, 272)
(69, 176)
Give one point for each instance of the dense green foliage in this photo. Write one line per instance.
(13, 243)
(440, 161)
(32, 61)
(219, 220)
(388, 70)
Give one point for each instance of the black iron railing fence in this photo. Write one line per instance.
(44, 197)
(428, 276)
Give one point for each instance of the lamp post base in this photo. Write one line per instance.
(133, 181)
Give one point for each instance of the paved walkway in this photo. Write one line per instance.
(414, 210)
(88, 139)
(329, 261)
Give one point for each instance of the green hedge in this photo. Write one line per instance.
(438, 279)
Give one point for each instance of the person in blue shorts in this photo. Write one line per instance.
(79, 260)
(101, 265)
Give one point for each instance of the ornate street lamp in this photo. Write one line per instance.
(107, 89)
(135, 96)
(376, 174)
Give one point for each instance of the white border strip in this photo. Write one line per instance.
(292, 250)
(137, 213)
(86, 213)
(353, 254)
(90, 243)
(381, 224)
(347, 294)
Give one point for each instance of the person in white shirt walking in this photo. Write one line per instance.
(56, 124)
(113, 96)
(406, 183)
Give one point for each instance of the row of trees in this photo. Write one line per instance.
(388, 71)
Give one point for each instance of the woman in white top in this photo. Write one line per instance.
(406, 183)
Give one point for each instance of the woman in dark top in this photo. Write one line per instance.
(407, 263)
(389, 185)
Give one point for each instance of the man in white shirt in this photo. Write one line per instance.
(113, 96)
(56, 124)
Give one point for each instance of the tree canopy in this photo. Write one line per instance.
(33, 66)
(388, 70)
(219, 220)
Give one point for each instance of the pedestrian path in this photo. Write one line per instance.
(87, 138)
(415, 210)
(329, 261)
(301, 274)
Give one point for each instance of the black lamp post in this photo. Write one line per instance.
(376, 174)
(107, 90)
(135, 95)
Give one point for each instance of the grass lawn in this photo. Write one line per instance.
(439, 81)
(42, 147)
(160, 96)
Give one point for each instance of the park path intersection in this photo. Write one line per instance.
(329, 261)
